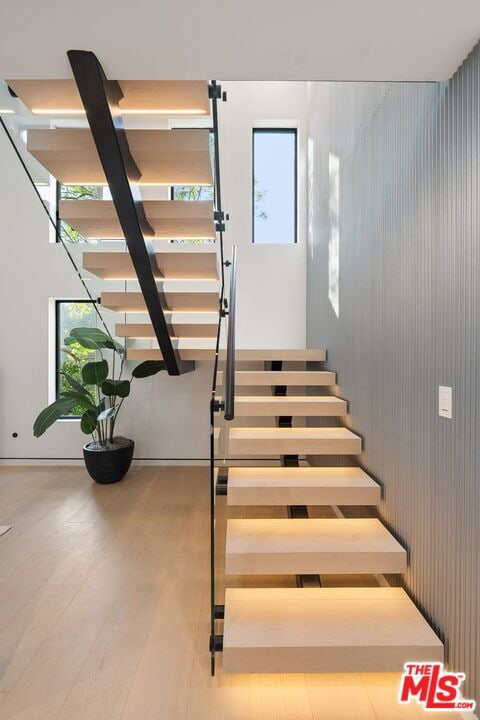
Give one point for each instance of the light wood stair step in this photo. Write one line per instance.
(311, 546)
(168, 218)
(301, 486)
(299, 378)
(205, 325)
(186, 353)
(300, 405)
(173, 261)
(289, 354)
(293, 441)
(163, 157)
(133, 302)
(324, 630)
(141, 97)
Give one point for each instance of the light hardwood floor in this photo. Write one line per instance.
(104, 607)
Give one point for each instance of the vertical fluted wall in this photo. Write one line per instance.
(408, 300)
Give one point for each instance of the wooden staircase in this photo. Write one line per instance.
(265, 629)
(268, 627)
(188, 276)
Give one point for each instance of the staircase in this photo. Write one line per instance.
(176, 307)
(282, 618)
(268, 627)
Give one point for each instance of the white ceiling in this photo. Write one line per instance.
(241, 39)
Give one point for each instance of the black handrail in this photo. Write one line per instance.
(100, 98)
(229, 381)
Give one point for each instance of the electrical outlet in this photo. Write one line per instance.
(445, 401)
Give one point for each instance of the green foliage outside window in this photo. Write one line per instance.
(70, 315)
(258, 196)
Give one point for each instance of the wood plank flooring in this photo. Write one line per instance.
(104, 609)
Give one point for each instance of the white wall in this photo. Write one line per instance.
(167, 416)
(271, 278)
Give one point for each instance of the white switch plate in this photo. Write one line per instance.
(445, 401)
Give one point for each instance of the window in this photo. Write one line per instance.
(274, 185)
(71, 314)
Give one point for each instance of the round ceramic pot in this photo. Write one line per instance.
(107, 466)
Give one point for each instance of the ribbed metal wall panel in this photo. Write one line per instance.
(408, 321)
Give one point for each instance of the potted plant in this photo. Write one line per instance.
(97, 397)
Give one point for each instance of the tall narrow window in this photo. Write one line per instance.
(274, 187)
(69, 315)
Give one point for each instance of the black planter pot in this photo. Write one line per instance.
(108, 466)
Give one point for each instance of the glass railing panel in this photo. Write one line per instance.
(45, 190)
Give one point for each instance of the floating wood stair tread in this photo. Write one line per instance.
(302, 405)
(284, 630)
(186, 261)
(293, 441)
(173, 261)
(186, 353)
(301, 378)
(183, 325)
(168, 218)
(163, 157)
(288, 354)
(141, 97)
(133, 302)
(312, 546)
(301, 486)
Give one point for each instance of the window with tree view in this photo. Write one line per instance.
(71, 314)
(196, 192)
(274, 185)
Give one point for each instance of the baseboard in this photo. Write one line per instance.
(73, 462)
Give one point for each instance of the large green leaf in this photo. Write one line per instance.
(88, 423)
(82, 342)
(51, 413)
(85, 343)
(147, 368)
(83, 400)
(89, 338)
(121, 388)
(114, 345)
(94, 334)
(74, 383)
(94, 373)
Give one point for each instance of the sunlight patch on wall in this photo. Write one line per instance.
(310, 195)
(334, 235)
